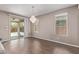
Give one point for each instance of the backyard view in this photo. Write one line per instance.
(17, 28)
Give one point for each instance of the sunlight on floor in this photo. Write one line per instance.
(16, 34)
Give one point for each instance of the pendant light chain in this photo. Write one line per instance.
(33, 18)
(32, 10)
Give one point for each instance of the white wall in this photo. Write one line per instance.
(47, 26)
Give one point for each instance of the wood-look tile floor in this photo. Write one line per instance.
(37, 46)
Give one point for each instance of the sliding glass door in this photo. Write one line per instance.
(17, 28)
(21, 28)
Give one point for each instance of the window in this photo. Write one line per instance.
(61, 24)
(36, 26)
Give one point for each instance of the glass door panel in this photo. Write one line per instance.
(14, 30)
(21, 28)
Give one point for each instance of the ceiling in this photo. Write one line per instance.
(27, 10)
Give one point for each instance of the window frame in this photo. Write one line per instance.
(59, 15)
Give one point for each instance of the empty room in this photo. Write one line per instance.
(39, 29)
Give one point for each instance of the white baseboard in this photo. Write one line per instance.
(62, 43)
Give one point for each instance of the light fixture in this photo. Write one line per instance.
(33, 18)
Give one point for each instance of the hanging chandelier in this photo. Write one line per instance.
(33, 18)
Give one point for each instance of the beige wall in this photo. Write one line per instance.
(27, 27)
(4, 22)
(47, 26)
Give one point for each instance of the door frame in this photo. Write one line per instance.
(10, 26)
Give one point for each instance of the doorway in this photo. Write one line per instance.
(16, 28)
